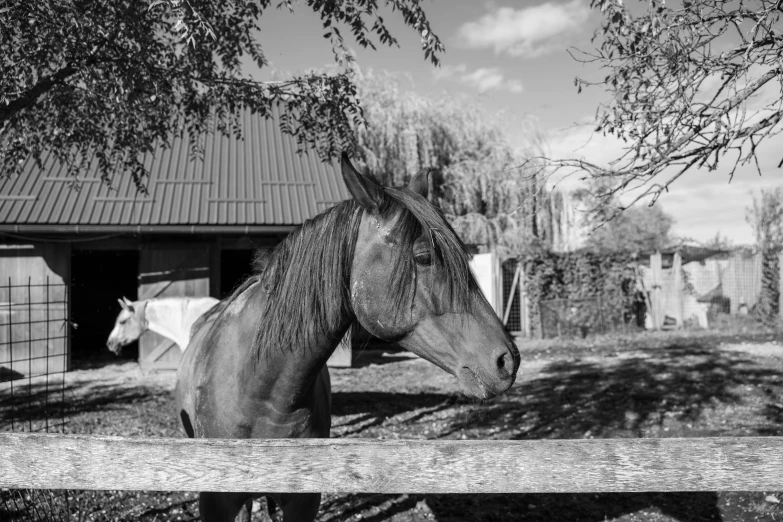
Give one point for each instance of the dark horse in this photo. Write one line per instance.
(386, 259)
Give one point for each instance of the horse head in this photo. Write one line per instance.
(411, 283)
(128, 326)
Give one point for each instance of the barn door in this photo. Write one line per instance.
(169, 272)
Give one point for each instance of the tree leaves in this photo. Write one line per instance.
(117, 80)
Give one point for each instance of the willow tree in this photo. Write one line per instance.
(476, 176)
(692, 84)
(120, 78)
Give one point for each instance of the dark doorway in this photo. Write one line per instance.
(235, 266)
(98, 279)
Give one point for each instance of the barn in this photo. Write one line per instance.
(71, 251)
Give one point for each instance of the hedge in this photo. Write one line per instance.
(608, 278)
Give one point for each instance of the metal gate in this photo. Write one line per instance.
(34, 336)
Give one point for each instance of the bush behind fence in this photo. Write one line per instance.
(582, 292)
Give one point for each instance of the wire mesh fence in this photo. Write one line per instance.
(34, 333)
(512, 302)
(34, 336)
(581, 317)
(711, 291)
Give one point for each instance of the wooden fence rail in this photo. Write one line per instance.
(43, 461)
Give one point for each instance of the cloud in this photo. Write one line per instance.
(483, 79)
(447, 71)
(490, 78)
(581, 142)
(706, 203)
(528, 32)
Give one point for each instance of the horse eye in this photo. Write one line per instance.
(123, 321)
(423, 259)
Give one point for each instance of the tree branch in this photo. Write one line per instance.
(31, 95)
(660, 65)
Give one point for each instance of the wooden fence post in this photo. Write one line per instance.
(656, 267)
(524, 304)
(678, 289)
(780, 284)
(497, 280)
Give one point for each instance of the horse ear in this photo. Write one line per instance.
(420, 183)
(364, 190)
(128, 304)
(122, 304)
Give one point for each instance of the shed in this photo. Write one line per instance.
(193, 234)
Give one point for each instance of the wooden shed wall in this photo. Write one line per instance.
(34, 333)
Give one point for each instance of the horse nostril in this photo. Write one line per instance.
(502, 364)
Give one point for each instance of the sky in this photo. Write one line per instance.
(513, 56)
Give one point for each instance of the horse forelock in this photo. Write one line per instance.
(418, 217)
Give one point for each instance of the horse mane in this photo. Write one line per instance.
(307, 275)
(261, 258)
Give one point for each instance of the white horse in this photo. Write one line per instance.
(171, 317)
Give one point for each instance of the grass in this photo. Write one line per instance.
(685, 384)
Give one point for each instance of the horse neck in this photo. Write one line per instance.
(294, 369)
(164, 317)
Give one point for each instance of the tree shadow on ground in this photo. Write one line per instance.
(612, 397)
(564, 507)
(585, 507)
(42, 408)
(586, 398)
(370, 409)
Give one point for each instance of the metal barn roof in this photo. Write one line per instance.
(257, 183)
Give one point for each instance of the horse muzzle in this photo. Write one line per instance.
(485, 381)
(114, 346)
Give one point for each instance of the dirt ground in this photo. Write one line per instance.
(653, 385)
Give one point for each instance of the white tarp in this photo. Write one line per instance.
(485, 267)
